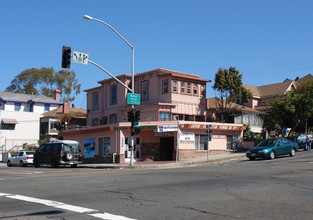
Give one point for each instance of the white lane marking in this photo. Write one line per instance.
(60, 205)
(21, 172)
(109, 216)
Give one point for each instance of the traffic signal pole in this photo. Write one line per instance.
(133, 72)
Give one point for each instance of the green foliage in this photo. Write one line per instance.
(45, 81)
(42, 141)
(228, 84)
(29, 147)
(292, 110)
(249, 135)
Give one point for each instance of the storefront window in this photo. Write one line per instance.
(165, 116)
(201, 142)
(104, 147)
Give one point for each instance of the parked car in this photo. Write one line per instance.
(300, 140)
(21, 158)
(272, 147)
(60, 152)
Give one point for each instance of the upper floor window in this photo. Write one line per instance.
(17, 107)
(203, 90)
(95, 122)
(104, 120)
(189, 88)
(145, 90)
(113, 95)
(47, 107)
(113, 119)
(175, 86)
(165, 86)
(95, 101)
(195, 89)
(165, 116)
(182, 87)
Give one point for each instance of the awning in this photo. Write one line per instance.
(9, 121)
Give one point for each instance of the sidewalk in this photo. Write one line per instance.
(213, 159)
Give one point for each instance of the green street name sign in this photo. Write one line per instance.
(133, 99)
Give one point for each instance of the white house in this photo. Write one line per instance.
(20, 118)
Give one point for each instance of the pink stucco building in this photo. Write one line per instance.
(173, 120)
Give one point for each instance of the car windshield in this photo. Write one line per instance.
(268, 143)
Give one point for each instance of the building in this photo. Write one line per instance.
(262, 95)
(20, 116)
(56, 120)
(173, 122)
(241, 115)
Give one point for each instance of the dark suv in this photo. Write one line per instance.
(59, 152)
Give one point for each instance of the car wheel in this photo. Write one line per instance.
(68, 155)
(272, 155)
(293, 152)
(54, 164)
(22, 164)
(252, 158)
(9, 163)
(36, 164)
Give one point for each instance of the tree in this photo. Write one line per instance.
(228, 84)
(292, 110)
(45, 81)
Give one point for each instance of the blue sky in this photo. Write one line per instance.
(267, 41)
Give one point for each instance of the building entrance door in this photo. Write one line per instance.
(166, 148)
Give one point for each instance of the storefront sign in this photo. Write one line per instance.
(187, 137)
(162, 134)
(166, 128)
(214, 127)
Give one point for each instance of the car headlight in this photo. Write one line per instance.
(263, 151)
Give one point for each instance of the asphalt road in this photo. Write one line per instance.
(261, 189)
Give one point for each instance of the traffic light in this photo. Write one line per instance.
(209, 132)
(131, 116)
(66, 57)
(137, 116)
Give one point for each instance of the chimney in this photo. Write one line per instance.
(57, 95)
(73, 105)
(66, 107)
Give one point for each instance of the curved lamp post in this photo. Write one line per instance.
(133, 70)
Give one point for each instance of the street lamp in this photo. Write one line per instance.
(133, 71)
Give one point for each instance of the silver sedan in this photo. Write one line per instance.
(21, 158)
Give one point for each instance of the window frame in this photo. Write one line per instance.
(189, 88)
(47, 107)
(95, 101)
(17, 107)
(145, 98)
(198, 142)
(113, 116)
(163, 86)
(195, 85)
(175, 87)
(183, 87)
(113, 100)
(167, 117)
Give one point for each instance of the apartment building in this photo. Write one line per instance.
(173, 120)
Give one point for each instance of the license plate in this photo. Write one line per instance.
(253, 154)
